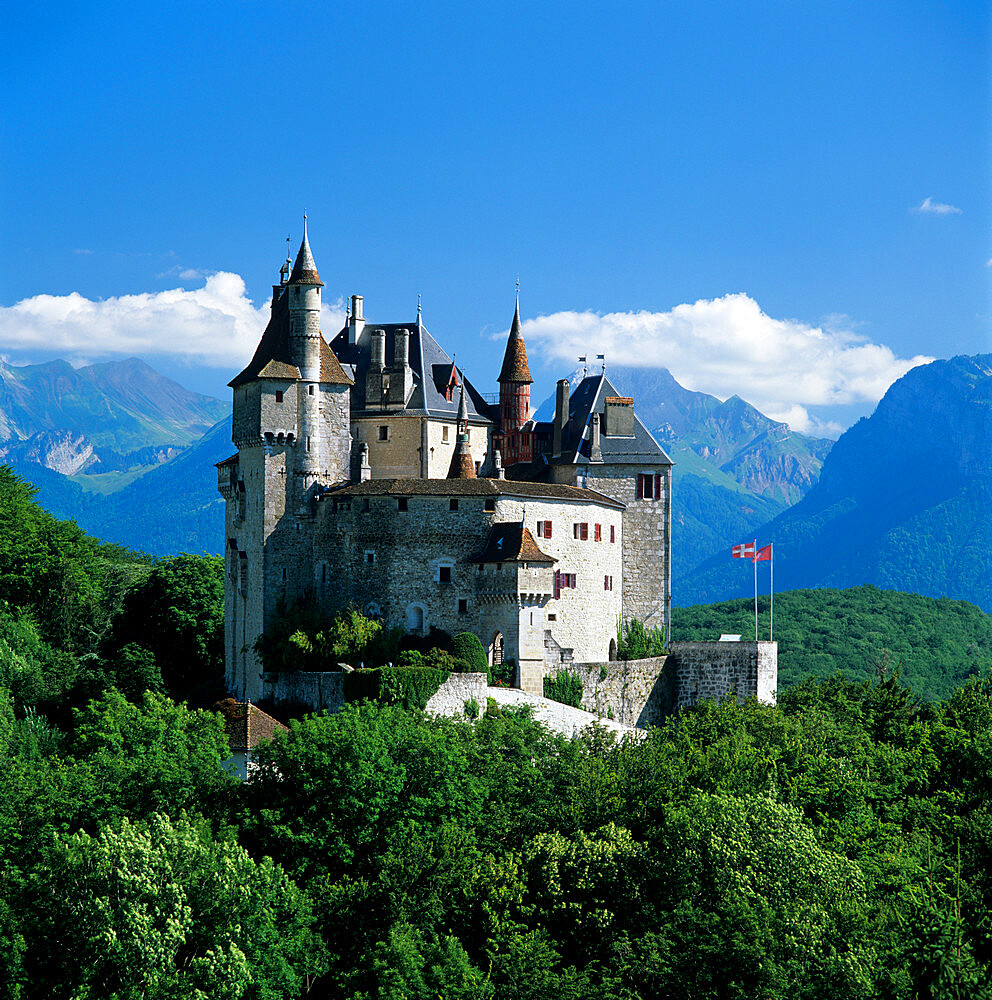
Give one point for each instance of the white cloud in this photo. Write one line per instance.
(216, 325)
(930, 207)
(728, 345)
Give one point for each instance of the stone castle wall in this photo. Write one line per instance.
(635, 692)
(714, 669)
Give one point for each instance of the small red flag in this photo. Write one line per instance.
(743, 551)
(765, 553)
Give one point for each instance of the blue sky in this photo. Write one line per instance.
(788, 201)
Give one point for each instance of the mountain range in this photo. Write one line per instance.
(108, 417)
(903, 501)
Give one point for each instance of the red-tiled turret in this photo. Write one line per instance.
(515, 368)
(462, 464)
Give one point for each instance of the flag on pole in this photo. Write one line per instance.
(745, 550)
(765, 553)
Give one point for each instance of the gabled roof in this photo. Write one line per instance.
(515, 368)
(590, 397)
(511, 541)
(246, 725)
(431, 372)
(273, 359)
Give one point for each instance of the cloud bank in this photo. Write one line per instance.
(728, 346)
(216, 325)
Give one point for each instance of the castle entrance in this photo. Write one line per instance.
(496, 650)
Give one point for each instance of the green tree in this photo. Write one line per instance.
(466, 646)
(177, 613)
(159, 908)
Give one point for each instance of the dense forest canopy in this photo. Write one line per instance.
(837, 845)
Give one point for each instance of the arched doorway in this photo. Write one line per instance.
(496, 650)
(415, 619)
(613, 649)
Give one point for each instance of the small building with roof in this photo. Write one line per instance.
(246, 727)
(371, 472)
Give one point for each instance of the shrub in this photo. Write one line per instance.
(467, 647)
(472, 708)
(635, 642)
(409, 687)
(501, 674)
(564, 687)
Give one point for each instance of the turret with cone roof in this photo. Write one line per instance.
(462, 464)
(305, 269)
(514, 392)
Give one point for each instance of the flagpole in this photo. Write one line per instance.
(771, 590)
(755, 561)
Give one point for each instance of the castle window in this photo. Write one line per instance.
(278, 395)
(444, 574)
(383, 432)
(598, 534)
(401, 503)
(444, 432)
(607, 583)
(308, 442)
(543, 529)
(552, 617)
(581, 530)
(463, 605)
(309, 390)
(490, 504)
(648, 486)
(453, 504)
(367, 506)
(369, 557)
(284, 576)
(613, 533)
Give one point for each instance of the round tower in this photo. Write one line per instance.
(514, 391)
(304, 345)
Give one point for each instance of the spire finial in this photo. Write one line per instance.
(418, 308)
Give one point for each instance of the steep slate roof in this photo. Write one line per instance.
(511, 541)
(272, 357)
(431, 373)
(470, 487)
(246, 725)
(305, 269)
(588, 398)
(515, 368)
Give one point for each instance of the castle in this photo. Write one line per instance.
(370, 472)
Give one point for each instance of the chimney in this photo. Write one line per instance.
(595, 450)
(498, 465)
(401, 383)
(378, 350)
(364, 468)
(561, 416)
(356, 322)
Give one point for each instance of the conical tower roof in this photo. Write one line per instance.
(305, 269)
(462, 464)
(515, 368)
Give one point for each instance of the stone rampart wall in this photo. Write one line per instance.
(714, 669)
(634, 692)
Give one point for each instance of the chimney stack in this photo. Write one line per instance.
(356, 322)
(595, 449)
(561, 416)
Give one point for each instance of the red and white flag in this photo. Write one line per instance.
(765, 553)
(744, 551)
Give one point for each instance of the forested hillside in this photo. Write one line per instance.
(862, 633)
(836, 846)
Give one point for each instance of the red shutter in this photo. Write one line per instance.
(584, 531)
(557, 584)
(598, 534)
(657, 487)
(547, 529)
(613, 533)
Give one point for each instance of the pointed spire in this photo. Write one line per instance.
(515, 368)
(462, 464)
(305, 270)
(419, 323)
